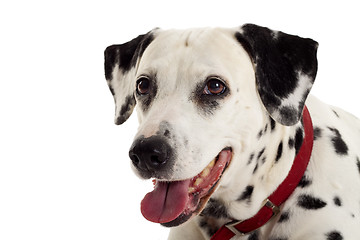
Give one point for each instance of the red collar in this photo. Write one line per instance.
(280, 195)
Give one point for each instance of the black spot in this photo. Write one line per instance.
(112, 90)
(256, 167)
(358, 163)
(258, 161)
(334, 235)
(266, 127)
(291, 143)
(251, 158)
(208, 224)
(260, 153)
(167, 133)
(340, 146)
(279, 152)
(129, 103)
(246, 195)
(285, 216)
(262, 131)
(272, 124)
(317, 133)
(165, 129)
(337, 201)
(216, 209)
(299, 137)
(126, 109)
(304, 182)
(310, 202)
(336, 114)
(254, 236)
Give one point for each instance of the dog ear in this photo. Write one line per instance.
(120, 67)
(285, 69)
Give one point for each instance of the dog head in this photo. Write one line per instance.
(202, 95)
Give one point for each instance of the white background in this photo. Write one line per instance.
(64, 167)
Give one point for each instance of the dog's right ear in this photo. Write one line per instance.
(285, 68)
(120, 67)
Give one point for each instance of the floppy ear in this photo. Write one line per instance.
(285, 69)
(120, 67)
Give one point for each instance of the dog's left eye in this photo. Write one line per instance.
(214, 86)
(142, 85)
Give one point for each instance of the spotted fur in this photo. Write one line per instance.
(268, 76)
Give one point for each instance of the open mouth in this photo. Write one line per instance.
(173, 203)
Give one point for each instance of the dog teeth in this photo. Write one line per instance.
(206, 172)
(211, 164)
(201, 177)
(198, 182)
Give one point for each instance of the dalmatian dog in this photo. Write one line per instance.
(221, 124)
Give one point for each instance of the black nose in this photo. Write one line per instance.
(150, 155)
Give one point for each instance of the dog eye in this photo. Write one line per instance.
(143, 85)
(214, 86)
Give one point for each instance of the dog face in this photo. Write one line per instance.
(202, 96)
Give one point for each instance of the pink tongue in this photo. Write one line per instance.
(166, 202)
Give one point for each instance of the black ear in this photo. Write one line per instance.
(285, 69)
(120, 66)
